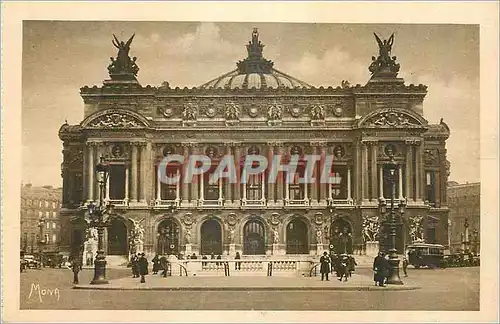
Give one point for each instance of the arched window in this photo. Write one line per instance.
(254, 238)
(297, 237)
(168, 237)
(117, 237)
(211, 237)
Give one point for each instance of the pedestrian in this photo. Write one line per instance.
(164, 265)
(156, 264)
(325, 264)
(219, 258)
(143, 267)
(193, 256)
(352, 265)
(343, 267)
(379, 265)
(75, 267)
(405, 266)
(135, 266)
(237, 265)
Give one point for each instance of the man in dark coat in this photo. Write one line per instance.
(352, 265)
(75, 267)
(164, 265)
(379, 268)
(143, 267)
(343, 269)
(135, 266)
(325, 262)
(405, 266)
(156, 264)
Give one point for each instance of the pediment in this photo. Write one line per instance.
(392, 118)
(115, 119)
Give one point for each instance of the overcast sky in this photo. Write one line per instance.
(61, 57)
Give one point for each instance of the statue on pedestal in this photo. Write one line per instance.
(384, 63)
(319, 236)
(276, 237)
(123, 64)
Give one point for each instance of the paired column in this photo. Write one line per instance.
(381, 181)
(364, 168)
(185, 184)
(90, 171)
(227, 183)
(143, 172)
(349, 182)
(194, 181)
(324, 188)
(373, 174)
(419, 172)
(270, 184)
(409, 172)
(237, 158)
(133, 187)
(400, 181)
(279, 191)
(315, 175)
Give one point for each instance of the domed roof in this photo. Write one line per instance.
(255, 72)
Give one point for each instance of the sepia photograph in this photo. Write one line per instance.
(253, 165)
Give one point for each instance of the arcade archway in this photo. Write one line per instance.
(254, 242)
(297, 237)
(168, 237)
(341, 236)
(211, 237)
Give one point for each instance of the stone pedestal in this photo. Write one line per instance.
(232, 249)
(188, 249)
(372, 248)
(89, 252)
(276, 249)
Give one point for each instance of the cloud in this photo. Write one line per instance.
(329, 69)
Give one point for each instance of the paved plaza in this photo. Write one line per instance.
(438, 289)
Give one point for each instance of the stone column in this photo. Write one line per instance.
(194, 181)
(90, 182)
(106, 197)
(364, 169)
(400, 181)
(185, 185)
(202, 187)
(419, 172)
(127, 175)
(316, 175)
(227, 183)
(374, 154)
(324, 191)
(263, 186)
(270, 185)
(381, 181)
(158, 184)
(244, 193)
(143, 172)
(349, 183)
(408, 170)
(178, 188)
(279, 185)
(133, 171)
(236, 186)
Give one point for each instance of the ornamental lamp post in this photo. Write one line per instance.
(392, 226)
(97, 220)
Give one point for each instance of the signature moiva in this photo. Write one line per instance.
(41, 293)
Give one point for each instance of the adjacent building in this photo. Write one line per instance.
(254, 109)
(40, 225)
(464, 203)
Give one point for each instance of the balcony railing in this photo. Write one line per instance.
(167, 203)
(297, 202)
(253, 202)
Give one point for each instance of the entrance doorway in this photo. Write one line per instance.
(254, 238)
(211, 237)
(341, 236)
(296, 237)
(168, 237)
(117, 237)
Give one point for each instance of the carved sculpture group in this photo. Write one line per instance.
(384, 62)
(123, 64)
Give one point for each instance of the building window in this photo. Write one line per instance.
(117, 182)
(48, 225)
(54, 214)
(40, 214)
(54, 238)
(47, 214)
(169, 191)
(54, 225)
(254, 187)
(210, 189)
(46, 204)
(339, 184)
(54, 204)
(430, 186)
(388, 180)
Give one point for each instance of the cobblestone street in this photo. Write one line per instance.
(441, 289)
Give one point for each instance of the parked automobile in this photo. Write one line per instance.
(31, 262)
(426, 255)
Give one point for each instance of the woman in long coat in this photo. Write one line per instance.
(325, 266)
(143, 267)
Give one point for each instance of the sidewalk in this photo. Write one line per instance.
(156, 282)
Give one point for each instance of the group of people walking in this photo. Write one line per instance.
(139, 266)
(381, 268)
(343, 265)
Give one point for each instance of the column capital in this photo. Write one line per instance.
(233, 144)
(92, 143)
(369, 142)
(318, 143)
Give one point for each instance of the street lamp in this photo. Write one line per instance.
(41, 241)
(475, 235)
(97, 220)
(392, 225)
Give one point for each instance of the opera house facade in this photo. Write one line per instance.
(384, 151)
